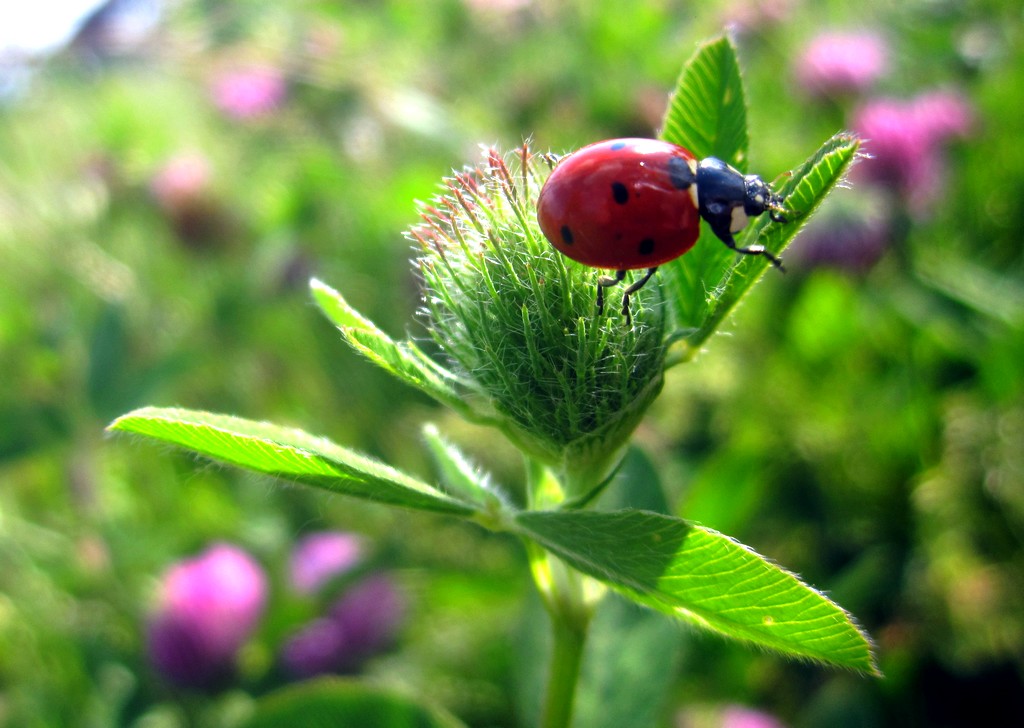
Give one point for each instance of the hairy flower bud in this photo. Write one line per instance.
(519, 322)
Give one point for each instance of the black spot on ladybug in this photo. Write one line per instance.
(679, 173)
(620, 193)
(646, 246)
(566, 235)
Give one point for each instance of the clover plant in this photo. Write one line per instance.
(523, 351)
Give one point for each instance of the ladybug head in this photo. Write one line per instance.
(759, 198)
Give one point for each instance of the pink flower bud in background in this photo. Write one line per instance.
(498, 6)
(370, 613)
(182, 187)
(904, 140)
(181, 181)
(736, 716)
(318, 648)
(207, 608)
(725, 716)
(851, 232)
(749, 17)
(943, 115)
(319, 557)
(249, 93)
(836, 64)
(360, 624)
(900, 152)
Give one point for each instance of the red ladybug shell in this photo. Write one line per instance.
(622, 204)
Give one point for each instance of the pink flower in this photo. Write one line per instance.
(183, 190)
(319, 557)
(180, 181)
(360, 624)
(834, 64)
(851, 232)
(736, 716)
(745, 17)
(498, 6)
(905, 140)
(249, 93)
(943, 115)
(370, 613)
(208, 607)
(318, 648)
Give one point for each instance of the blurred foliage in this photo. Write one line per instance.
(863, 428)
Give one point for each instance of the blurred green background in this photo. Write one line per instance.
(863, 424)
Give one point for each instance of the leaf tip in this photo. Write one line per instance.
(115, 425)
(122, 423)
(321, 292)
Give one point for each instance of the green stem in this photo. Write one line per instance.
(570, 598)
(568, 640)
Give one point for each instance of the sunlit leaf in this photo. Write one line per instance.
(707, 112)
(458, 474)
(704, 578)
(402, 359)
(288, 454)
(803, 191)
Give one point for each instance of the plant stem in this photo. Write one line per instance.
(570, 599)
(568, 640)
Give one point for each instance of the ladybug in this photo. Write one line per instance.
(627, 204)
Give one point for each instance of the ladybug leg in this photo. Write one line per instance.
(633, 288)
(605, 282)
(725, 235)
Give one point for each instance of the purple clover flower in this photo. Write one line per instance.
(359, 625)
(249, 93)
(837, 64)
(181, 181)
(943, 115)
(736, 716)
(319, 557)
(851, 232)
(749, 17)
(208, 607)
(370, 613)
(318, 648)
(498, 6)
(182, 188)
(905, 140)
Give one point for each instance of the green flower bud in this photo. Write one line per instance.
(519, 322)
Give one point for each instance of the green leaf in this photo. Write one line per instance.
(403, 359)
(707, 112)
(287, 454)
(705, 578)
(803, 192)
(338, 703)
(458, 473)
